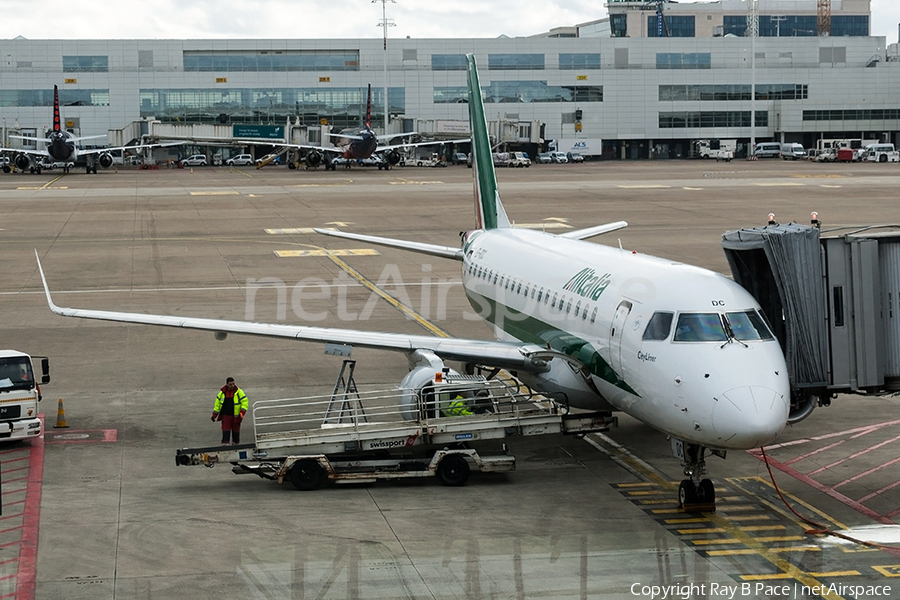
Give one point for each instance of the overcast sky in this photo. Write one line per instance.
(208, 19)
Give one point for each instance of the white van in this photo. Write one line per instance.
(882, 153)
(767, 150)
(793, 151)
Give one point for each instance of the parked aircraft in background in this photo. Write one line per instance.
(683, 349)
(352, 145)
(62, 147)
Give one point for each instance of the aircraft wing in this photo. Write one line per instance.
(421, 247)
(85, 151)
(583, 234)
(511, 355)
(254, 142)
(26, 151)
(416, 144)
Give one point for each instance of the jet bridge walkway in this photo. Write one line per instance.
(390, 434)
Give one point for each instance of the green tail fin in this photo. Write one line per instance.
(489, 211)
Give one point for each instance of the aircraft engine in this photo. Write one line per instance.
(416, 383)
(802, 405)
(23, 161)
(392, 156)
(105, 160)
(313, 159)
(565, 383)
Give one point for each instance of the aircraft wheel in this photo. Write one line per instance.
(686, 493)
(306, 475)
(453, 470)
(707, 491)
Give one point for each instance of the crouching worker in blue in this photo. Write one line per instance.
(230, 407)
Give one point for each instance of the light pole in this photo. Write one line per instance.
(384, 24)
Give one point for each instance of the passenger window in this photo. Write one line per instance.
(594, 314)
(659, 326)
(553, 304)
(748, 326)
(700, 327)
(540, 294)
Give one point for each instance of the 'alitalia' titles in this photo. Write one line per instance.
(587, 284)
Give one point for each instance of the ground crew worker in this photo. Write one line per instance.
(230, 407)
(457, 407)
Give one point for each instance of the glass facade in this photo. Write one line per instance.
(272, 60)
(849, 25)
(342, 107)
(724, 118)
(619, 25)
(798, 25)
(521, 91)
(85, 64)
(448, 62)
(678, 26)
(683, 60)
(777, 91)
(863, 114)
(20, 98)
(516, 62)
(570, 62)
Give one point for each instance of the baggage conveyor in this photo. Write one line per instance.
(389, 434)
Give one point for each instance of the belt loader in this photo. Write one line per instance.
(412, 432)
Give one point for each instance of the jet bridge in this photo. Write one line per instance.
(831, 297)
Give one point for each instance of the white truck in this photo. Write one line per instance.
(426, 429)
(717, 149)
(20, 393)
(589, 148)
(881, 153)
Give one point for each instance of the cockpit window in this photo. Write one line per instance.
(700, 327)
(748, 326)
(659, 326)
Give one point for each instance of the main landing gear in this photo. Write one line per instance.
(697, 492)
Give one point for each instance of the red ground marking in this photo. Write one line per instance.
(106, 435)
(26, 576)
(855, 505)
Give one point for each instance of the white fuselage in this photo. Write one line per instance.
(594, 303)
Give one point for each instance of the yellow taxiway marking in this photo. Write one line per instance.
(346, 252)
(370, 285)
(889, 570)
(779, 184)
(43, 187)
(831, 186)
(295, 230)
(217, 193)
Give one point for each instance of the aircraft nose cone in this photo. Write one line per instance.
(749, 416)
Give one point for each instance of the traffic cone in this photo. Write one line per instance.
(61, 417)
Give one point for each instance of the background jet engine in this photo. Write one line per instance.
(312, 159)
(392, 156)
(23, 162)
(105, 160)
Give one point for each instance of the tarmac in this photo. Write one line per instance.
(98, 510)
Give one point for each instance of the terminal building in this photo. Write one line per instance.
(646, 96)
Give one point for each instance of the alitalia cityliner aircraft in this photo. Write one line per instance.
(683, 349)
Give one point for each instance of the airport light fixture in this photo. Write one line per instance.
(384, 24)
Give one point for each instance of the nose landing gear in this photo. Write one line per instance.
(697, 493)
